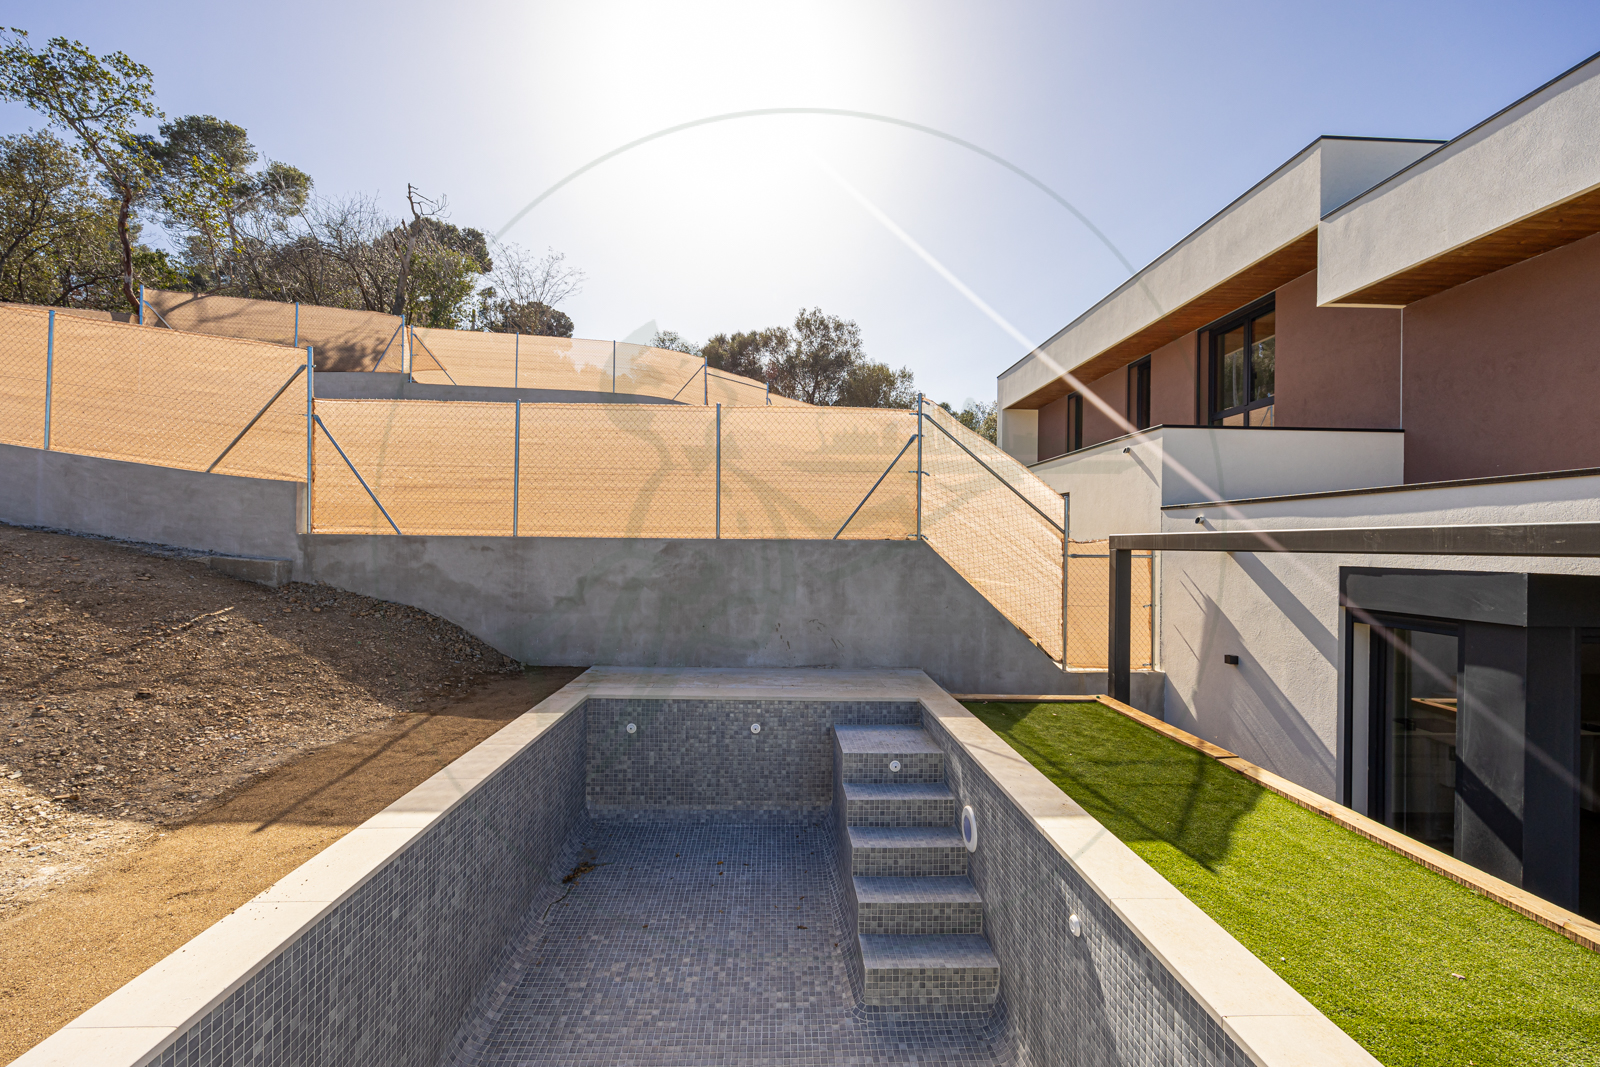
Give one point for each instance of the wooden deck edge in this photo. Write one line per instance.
(1569, 924)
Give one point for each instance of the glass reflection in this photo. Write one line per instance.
(1420, 693)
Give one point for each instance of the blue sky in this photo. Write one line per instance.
(1148, 116)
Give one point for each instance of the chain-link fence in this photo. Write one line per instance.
(115, 390)
(233, 406)
(345, 340)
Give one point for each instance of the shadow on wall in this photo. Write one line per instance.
(1242, 709)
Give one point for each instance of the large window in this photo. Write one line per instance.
(1243, 369)
(1416, 670)
(1139, 393)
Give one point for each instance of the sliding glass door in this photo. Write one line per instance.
(1416, 676)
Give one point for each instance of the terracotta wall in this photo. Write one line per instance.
(1053, 429)
(1172, 383)
(1337, 367)
(1097, 426)
(1502, 373)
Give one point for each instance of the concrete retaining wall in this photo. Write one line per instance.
(638, 602)
(362, 385)
(139, 502)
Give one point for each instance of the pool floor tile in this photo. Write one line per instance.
(704, 943)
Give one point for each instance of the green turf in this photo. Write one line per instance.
(1371, 938)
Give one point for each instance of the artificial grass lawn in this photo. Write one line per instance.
(1371, 938)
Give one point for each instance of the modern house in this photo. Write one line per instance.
(1380, 336)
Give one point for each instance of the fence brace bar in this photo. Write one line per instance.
(385, 351)
(353, 470)
(255, 419)
(719, 472)
(49, 372)
(879, 482)
(516, 468)
(1053, 524)
(436, 361)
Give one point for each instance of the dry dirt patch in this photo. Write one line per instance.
(173, 741)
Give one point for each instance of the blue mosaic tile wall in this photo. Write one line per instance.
(388, 975)
(1098, 998)
(701, 754)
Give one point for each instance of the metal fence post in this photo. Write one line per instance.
(769, 394)
(613, 366)
(141, 305)
(311, 424)
(705, 381)
(1066, 556)
(516, 363)
(516, 469)
(919, 466)
(405, 349)
(297, 324)
(49, 372)
(719, 472)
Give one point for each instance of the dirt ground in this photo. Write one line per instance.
(172, 742)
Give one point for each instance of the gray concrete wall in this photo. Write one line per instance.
(357, 385)
(140, 502)
(647, 602)
(632, 602)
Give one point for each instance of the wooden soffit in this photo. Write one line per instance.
(1252, 283)
(1569, 221)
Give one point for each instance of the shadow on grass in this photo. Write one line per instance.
(1139, 785)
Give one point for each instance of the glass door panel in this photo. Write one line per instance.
(1589, 781)
(1263, 356)
(1419, 679)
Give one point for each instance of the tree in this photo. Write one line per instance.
(58, 240)
(673, 341)
(224, 215)
(746, 354)
(979, 416)
(821, 352)
(875, 385)
(523, 292)
(98, 100)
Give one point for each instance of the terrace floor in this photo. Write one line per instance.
(701, 943)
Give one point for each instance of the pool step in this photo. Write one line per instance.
(871, 753)
(919, 919)
(937, 973)
(907, 851)
(899, 804)
(917, 906)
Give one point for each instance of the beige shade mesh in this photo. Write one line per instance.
(1004, 548)
(462, 357)
(121, 391)
(437, 467)
(343, 340)
(799, 472)
(24, 333)
(1089, 606)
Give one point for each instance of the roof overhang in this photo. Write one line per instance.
(1262, 240)
(1515, 186)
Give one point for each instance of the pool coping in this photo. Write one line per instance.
(1274, 1025)
(1568, 924)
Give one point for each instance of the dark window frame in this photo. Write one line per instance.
(1217, 332)
(1379, 740)
(1138, 404)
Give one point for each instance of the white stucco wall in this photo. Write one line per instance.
(1280, 707)
(1537, 153)
(1122, 492)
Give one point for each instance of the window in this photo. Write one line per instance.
(1074, 422)
(1139, 393)
(1416, 671)
(1589, 779)
(1243, 369)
